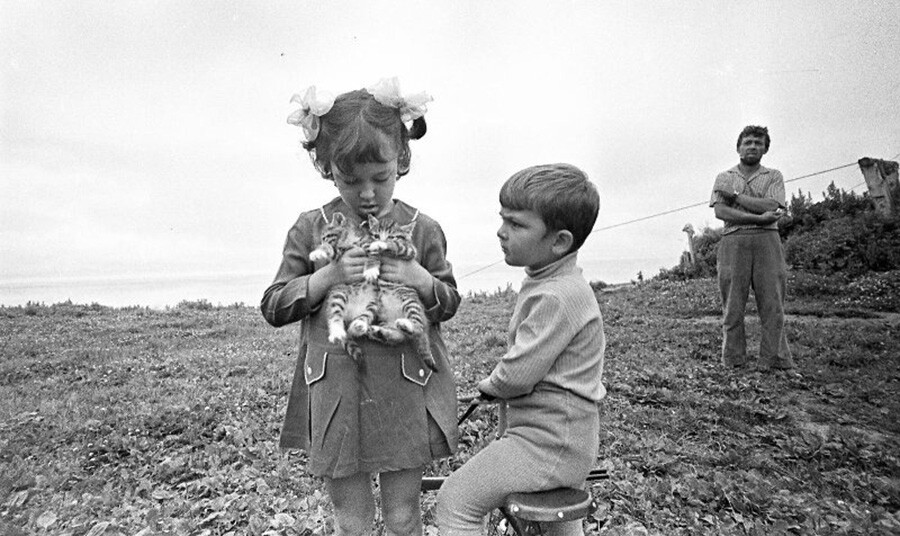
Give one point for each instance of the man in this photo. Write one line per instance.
(750, 199)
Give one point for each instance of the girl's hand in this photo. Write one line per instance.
(349, 269)
(407, 272)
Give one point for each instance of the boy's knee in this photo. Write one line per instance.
(449, 507)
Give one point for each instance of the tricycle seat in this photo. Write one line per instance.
(561, 504)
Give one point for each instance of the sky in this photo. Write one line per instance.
(145, 156)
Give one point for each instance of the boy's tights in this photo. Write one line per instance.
(354, 503)
(482, 484)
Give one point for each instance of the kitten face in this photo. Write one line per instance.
(386, 235)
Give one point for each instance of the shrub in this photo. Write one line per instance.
(804, 215)
(196, 305)
(852, 244)
(877, 291)
(811, 285)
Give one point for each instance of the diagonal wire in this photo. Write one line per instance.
(679, 209)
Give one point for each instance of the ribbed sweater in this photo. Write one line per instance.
(555, 336)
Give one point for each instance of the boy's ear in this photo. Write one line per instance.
(563, 242)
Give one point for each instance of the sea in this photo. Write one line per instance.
(160, 291)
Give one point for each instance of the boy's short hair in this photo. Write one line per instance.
(756, 131)
(561, 194)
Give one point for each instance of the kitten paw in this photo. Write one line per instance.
(407, 326)
(371, 274)
(358, 328)
(319, 255)
(336, 334)
(377, 247)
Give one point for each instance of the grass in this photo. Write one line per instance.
(151, 422)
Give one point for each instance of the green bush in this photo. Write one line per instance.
(195, 305)
(842, 234)
(879, 291)
(854, 245)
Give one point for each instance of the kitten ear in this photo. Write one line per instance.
(337, 219)
(373, 221)
(408, 228)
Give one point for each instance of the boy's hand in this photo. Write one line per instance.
(484, 397)
(407, 272)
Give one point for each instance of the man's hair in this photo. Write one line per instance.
(756, 131)
(561, 194)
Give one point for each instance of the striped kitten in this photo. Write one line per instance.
(401, 314)
(350, 307)
(383, 311)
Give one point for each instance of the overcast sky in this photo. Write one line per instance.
(148, 139)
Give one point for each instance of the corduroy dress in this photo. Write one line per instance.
(389, 414)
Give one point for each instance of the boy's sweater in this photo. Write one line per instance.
(555, 336)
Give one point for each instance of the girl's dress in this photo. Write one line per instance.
(391, 413)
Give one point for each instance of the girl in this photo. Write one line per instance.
(394, 414)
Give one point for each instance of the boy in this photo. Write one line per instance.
(550, 377)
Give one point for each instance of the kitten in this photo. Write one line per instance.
(401, 314)
(345, 304)
(386, 312)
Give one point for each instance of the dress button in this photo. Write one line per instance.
(421, 373)
(309, 370)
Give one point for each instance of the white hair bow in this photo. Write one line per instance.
(387, 92)
(313, 105)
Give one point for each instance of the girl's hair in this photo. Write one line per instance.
(352, 132)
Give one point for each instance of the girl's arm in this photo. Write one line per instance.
(288, 298)
(439, 294)
(431, 276)
(299, 288)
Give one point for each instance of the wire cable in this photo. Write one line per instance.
(679, 209)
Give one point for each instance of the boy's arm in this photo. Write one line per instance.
(538, 341)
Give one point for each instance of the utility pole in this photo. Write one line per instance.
(881, 178)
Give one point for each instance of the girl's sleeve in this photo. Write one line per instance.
(285, 301)
(433, 253)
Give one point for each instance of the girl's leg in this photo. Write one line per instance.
(354, 504)
(400, 501)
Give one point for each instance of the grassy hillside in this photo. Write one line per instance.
(134, 421)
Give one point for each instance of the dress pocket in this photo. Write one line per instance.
(414, 369)
(314, 366)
